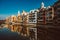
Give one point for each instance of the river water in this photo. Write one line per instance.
(6, 34)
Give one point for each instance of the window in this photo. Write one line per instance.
(39, 14)
(49, 14)
(58, 13)
(58, 6)
(50, 17)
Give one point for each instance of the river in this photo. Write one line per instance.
(6, 34)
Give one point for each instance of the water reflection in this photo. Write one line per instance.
(6, 34)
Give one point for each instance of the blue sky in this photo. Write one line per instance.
(10, 7)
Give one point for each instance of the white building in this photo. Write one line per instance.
(32, 18)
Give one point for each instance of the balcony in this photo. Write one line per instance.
(40, 20)
(40, 23)
(49, 22)
(58, 8)
(32, 16)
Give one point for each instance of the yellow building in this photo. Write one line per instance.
(19, 17)
(13, 22)
(7, 22)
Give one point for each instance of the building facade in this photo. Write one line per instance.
(57, 13)
(32, 18)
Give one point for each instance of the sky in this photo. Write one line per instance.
(11, 7)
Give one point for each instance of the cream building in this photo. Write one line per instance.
(13, 22)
